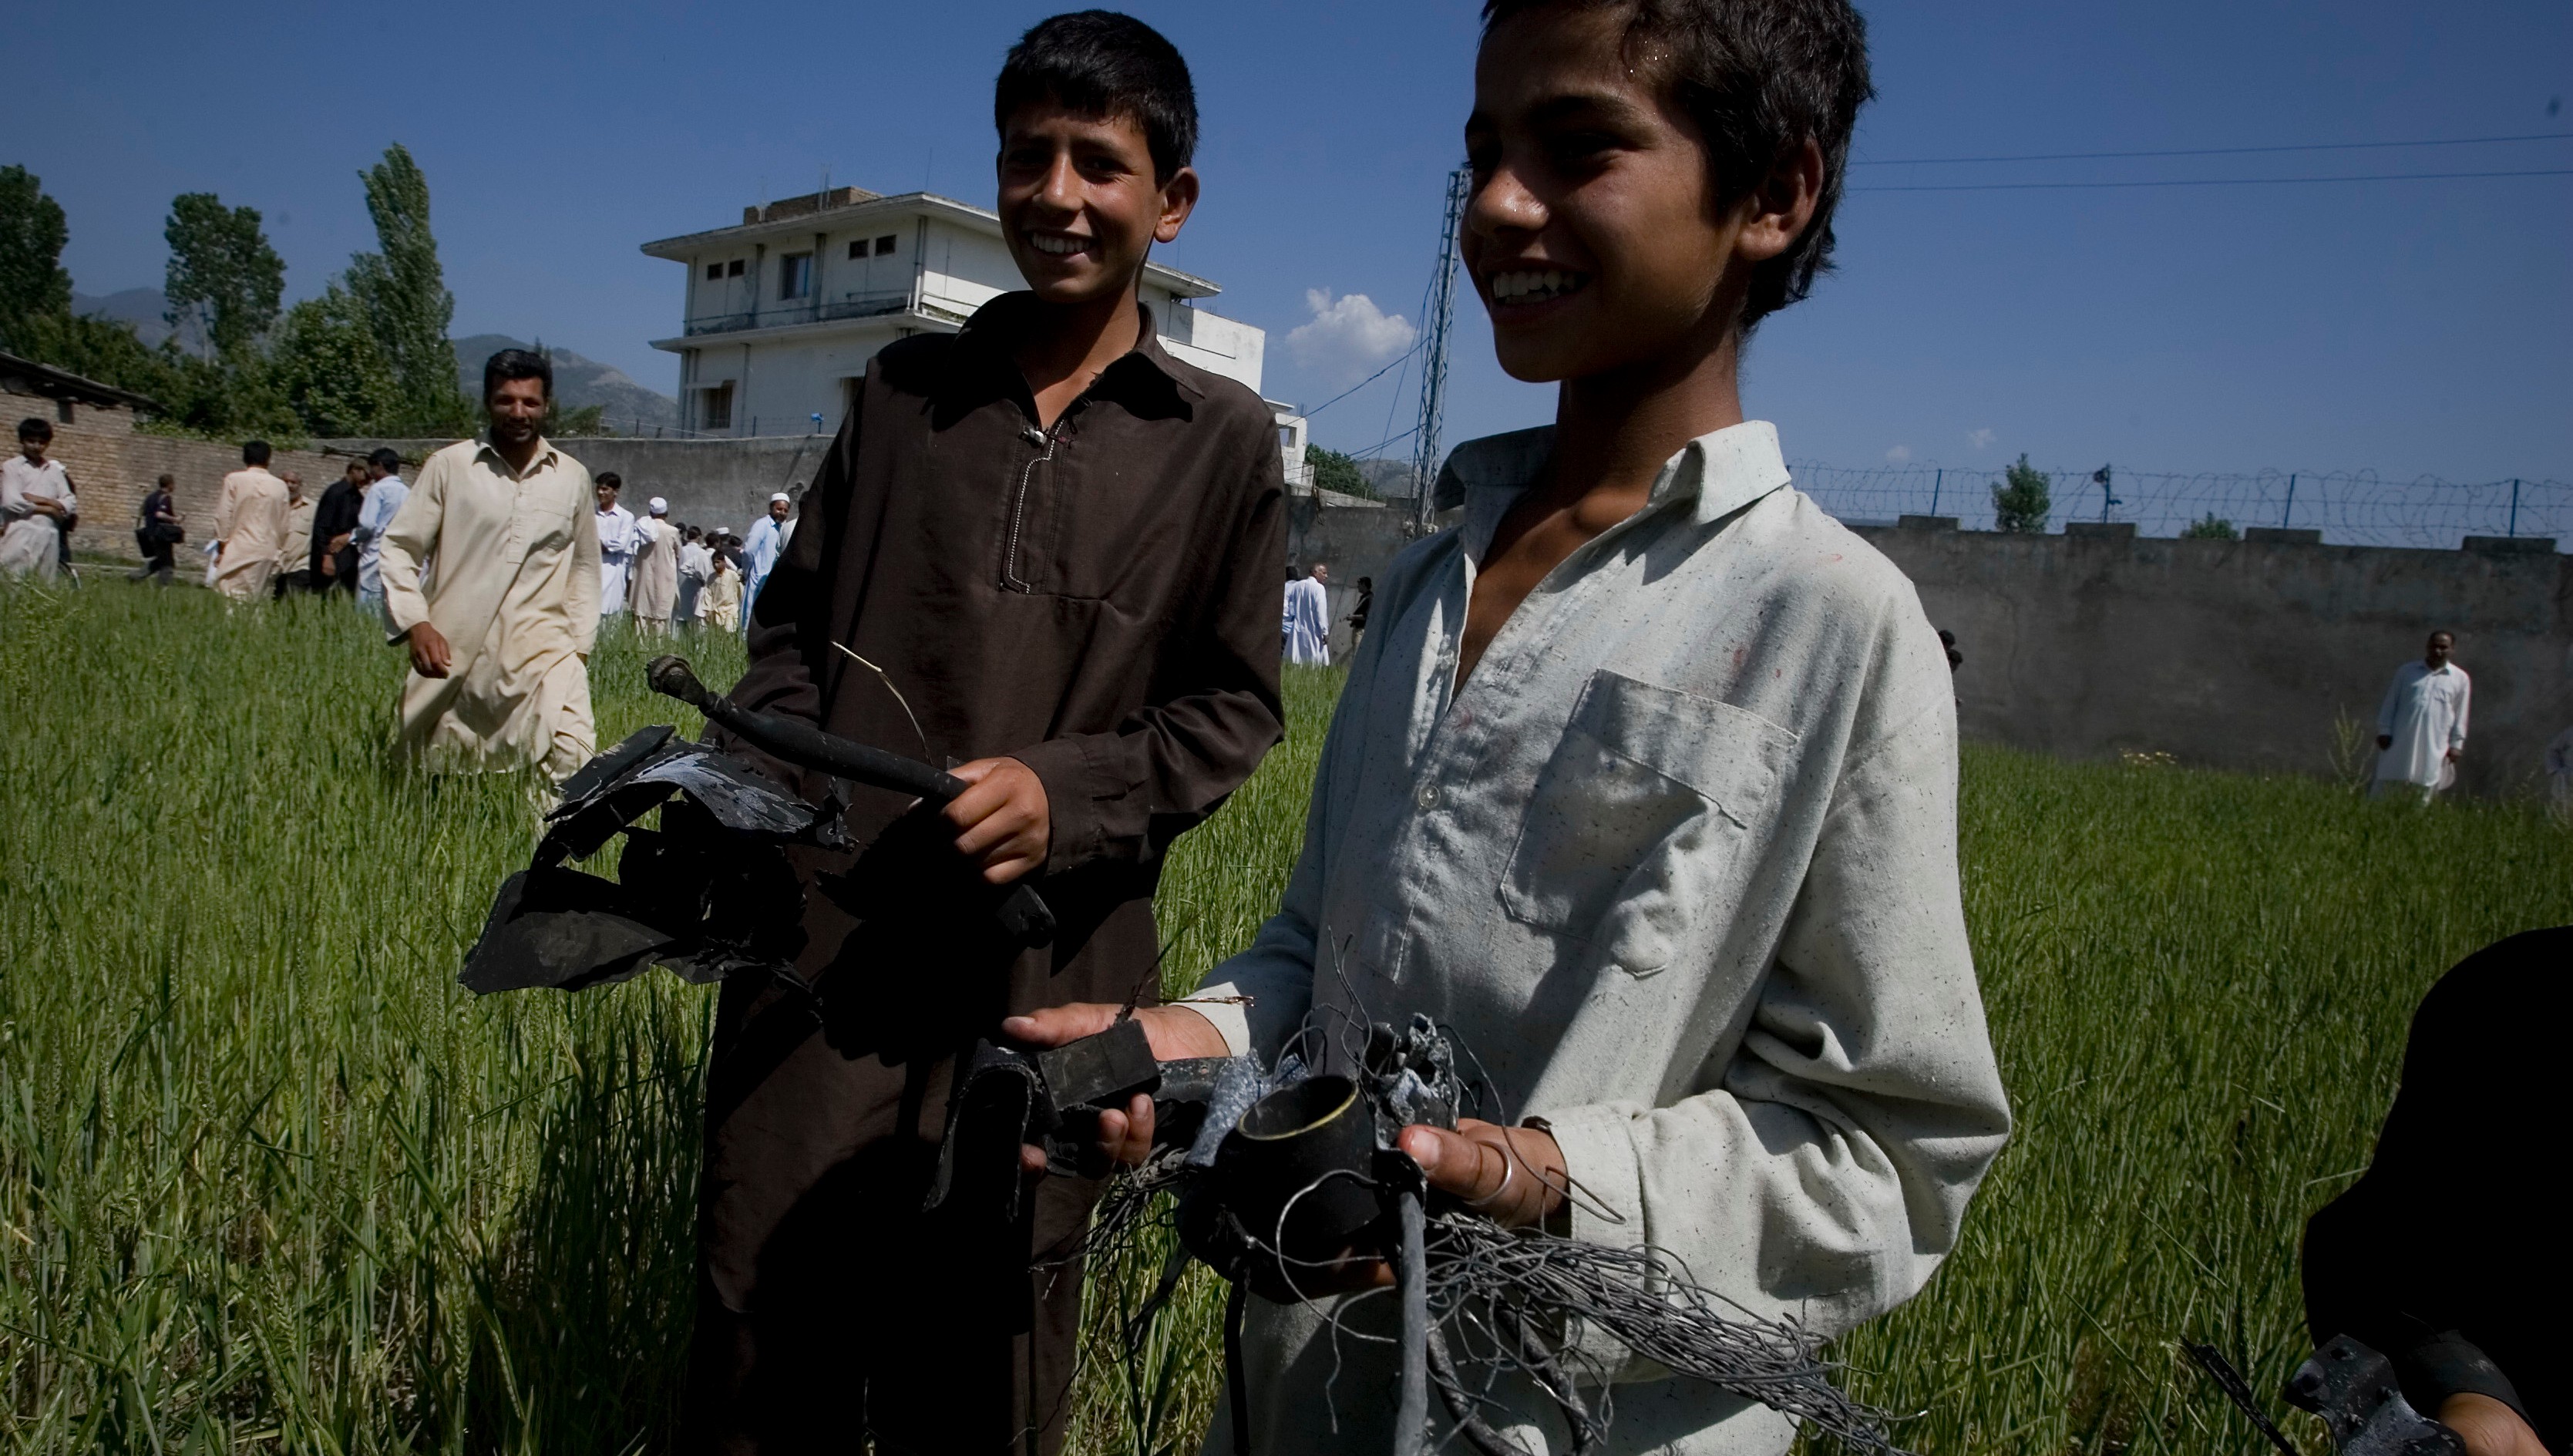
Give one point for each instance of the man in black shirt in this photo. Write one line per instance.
(2449, 1254)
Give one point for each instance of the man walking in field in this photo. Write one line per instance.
(1308, 625)
(500, 643)
(2422, 726)
(250, 526)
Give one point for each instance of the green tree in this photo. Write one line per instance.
(2210, 527)
(327, 365)
(404, 293)
(1335, 472)
(2024, 501)
(33, 284)
(224, 283)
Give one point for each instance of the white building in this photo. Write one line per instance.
(784, 309)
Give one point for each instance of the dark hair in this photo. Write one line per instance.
(167, 483)
(1103, 64)
(1760, 78)
(2440, 632)
(608, 478)
(255, 452)
(516, 363)
(32, 428)
(382, 458)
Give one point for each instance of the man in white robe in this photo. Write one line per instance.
(250, 526)
(617, 543)
(2421, 727)
(1307, 621)
(35, 496)
(652, 589)
(501, 640)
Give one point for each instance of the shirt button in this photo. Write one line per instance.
(1427, 798)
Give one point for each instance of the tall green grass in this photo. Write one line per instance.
(269, 1180)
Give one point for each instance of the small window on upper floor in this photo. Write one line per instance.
(857, 247)
(794, 275)
(734, 269)
(884, 245)
(714, 270)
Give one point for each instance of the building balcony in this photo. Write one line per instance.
(787, 316)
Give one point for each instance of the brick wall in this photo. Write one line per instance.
(113, 467)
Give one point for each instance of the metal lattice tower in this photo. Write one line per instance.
(1439, 313)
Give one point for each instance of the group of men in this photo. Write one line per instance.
(274, 540)
(665, 574)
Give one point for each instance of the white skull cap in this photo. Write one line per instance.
(779, 498)
(660, 507)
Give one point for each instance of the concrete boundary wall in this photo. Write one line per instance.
(2239, 654)
(113, 467)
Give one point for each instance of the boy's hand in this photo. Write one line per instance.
(2490, 1427)
(429, 655)
(1510, 1174)
(1002, 819)
(1174, 1031)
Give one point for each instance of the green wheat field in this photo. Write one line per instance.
(271, 1181)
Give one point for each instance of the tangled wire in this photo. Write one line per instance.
(1488, 1311)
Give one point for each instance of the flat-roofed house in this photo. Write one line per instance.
(784, 309)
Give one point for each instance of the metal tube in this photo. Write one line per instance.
(1411, 1408)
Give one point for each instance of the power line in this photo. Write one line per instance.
(2209, 181)
(2213, 150)
(1363, 383)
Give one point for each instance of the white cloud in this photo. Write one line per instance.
(1899, 454)
(1980, 439)
(1347, 337)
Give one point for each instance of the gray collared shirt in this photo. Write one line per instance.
(1679, 863)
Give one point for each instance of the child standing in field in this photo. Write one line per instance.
(1644, 780)
(1059, 545)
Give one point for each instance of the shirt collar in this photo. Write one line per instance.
(543, 456)
(1718, 472)
(988, 338)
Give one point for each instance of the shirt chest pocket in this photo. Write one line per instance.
(1636, 825)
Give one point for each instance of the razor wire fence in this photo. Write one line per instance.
(2358, 508)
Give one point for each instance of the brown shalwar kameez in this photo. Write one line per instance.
(1097, 600)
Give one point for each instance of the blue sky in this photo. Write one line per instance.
(2409, 328)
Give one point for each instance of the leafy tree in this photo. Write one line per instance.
(224, 281)
(33, 284)
(2024, 501)
(2210, 527)
(1335, 472)
(402, 292)
(327, 366)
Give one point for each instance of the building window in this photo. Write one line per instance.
(63, 410)
(857, 247)
(714, 270)
(718, 412)
(884, 245)
(734, 269)
(794, 275)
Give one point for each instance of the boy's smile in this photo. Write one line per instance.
(1078, 204)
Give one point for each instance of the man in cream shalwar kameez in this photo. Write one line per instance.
(652, 586)
(514, 593)
(249, 522)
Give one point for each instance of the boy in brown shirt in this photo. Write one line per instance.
(1060, 546)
